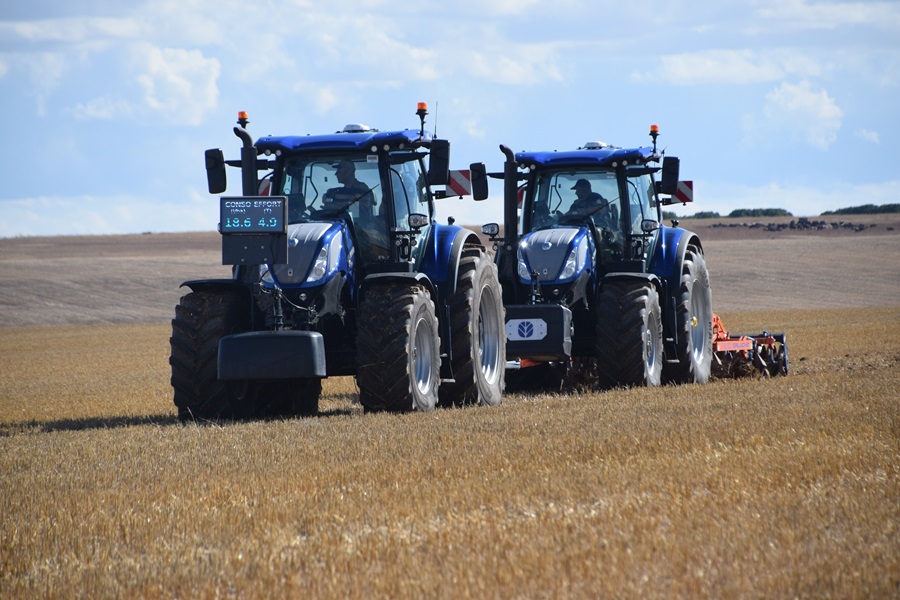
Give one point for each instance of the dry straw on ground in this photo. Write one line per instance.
(764, 488)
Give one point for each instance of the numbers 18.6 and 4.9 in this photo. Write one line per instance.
(247, 222)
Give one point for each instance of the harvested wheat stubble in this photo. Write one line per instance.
(775, 488)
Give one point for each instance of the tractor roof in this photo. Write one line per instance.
(606, 157)
(395, 140)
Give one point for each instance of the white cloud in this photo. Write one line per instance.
(513, 64)
(735, 67)
(811, 113)
(46, 70)
(799, 112)
(180, 84)
(474, 128)
(324, 98)
(104, 108)
(72, 30)
(505, 7)
(869, 136)
(802, 14)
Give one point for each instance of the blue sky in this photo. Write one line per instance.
(110, 104)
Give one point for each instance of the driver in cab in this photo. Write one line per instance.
(352, 189)
(587, 202)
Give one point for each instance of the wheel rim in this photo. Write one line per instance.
(423, 356)
(488, 335)
(651, 341)
(700, 317)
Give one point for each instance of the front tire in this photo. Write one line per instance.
(201, 320)
(629, 335)
(398, 349)
(477, 333)
(693, 315)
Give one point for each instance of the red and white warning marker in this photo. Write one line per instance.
(685, 191)
(460, 183)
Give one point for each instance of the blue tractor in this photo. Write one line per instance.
(597, 289)
(339, 269)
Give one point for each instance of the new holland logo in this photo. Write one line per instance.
(519, 330)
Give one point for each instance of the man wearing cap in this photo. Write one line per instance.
(353, 189)
(587, 202)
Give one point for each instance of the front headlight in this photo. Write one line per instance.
(571, 266)
(524, 272)
(575, 261)
(320, 266)
(327, 260)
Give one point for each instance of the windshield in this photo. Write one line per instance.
(326, 188)
(572, 198)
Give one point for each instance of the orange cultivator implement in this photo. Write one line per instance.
(741, 355)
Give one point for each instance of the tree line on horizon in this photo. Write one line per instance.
(864, 209)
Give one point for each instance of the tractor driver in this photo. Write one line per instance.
(587, 202)
(353, 189)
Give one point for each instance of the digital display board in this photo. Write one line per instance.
(253, 214)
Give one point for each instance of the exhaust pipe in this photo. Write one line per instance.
(510, 201)
(249, 183)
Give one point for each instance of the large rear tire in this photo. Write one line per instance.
(477, 334)
(629, 335)
(693, 323)
(398, 349)
(201, 320)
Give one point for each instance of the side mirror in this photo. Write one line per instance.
(215, 171)
(439, 162)
(478, 172)
(669, 183)
(417, 221)
(649, 225)
(491, 229)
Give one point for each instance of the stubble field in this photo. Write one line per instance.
(764, 488)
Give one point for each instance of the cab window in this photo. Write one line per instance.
(640, 201)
